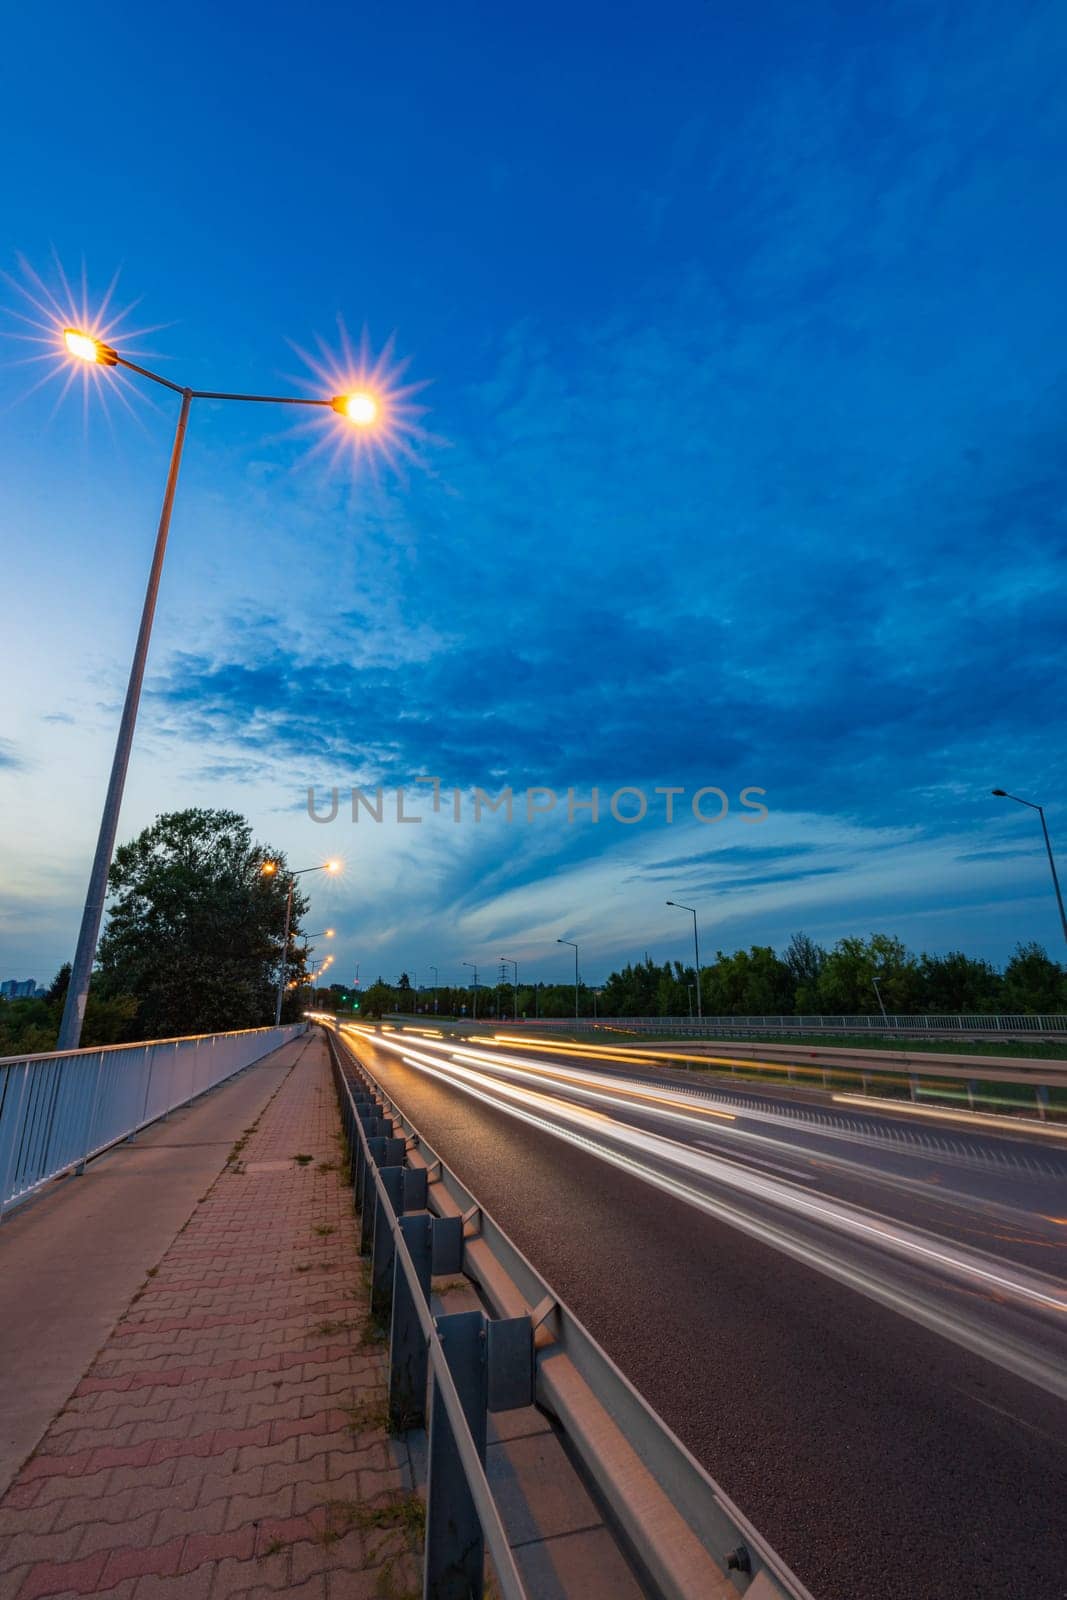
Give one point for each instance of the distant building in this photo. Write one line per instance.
(20, 989)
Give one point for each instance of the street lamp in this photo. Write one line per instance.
(474, 992)
(510, 960)
(269, 870)
(574, 947)
(1002, 794)
(359, 410)
(323, 933)
(433, 969)
(881, 1002)
(696, 946)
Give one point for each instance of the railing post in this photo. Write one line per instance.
(455, 1554)
(407, 1346)
(79, 1170)
(15, 1124)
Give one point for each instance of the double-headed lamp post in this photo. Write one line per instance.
(574, 947)
(677, 904)
(1002, 794)
(359, 409)
(269, 870)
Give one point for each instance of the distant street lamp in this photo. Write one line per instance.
(696, 947)
(323, 933)
(474, 992)
(510, 960)
(574, 947)
(1003, 794)
(268, 870)
(433, 969)
(881, 1002)
(359, 410)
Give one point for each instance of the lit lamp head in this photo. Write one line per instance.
(359, 408)
(85, 348)
(268, 869)
(333, 866)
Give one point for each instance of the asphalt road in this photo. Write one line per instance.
(808, 1319)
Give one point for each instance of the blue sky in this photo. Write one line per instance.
(745, 349)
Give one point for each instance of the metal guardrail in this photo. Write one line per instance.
(687, 1537)
(58, 1110)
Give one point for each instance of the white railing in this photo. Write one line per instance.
(57, 1111)
(968, 1022)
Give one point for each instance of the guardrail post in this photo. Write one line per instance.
(447, 1244)
(455, 1554)
(383, 1250)
(407, 1346)
(368, 1202)
(413, 1189)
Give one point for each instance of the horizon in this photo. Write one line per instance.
(729, 393)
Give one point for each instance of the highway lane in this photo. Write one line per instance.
(880, 1456)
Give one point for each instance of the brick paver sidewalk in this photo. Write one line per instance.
(228, 1438)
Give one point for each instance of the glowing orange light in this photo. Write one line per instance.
(333, 866)
(85, 348)
(80, 345)
(359, 407)
(269, 868)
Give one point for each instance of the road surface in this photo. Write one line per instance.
(856, 1325)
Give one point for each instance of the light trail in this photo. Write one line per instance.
(636, 1151)
(970, 1119)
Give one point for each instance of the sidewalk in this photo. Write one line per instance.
(228, 1438)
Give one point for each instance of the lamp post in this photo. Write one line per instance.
(323, 933)
(1002, 794)
(510, 960)
(268, 870)
(696, 947)
(574, 947)
(474, 991)
(433, 969)
(361, 410)
(881, 1002)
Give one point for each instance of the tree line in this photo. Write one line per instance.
(804, 979)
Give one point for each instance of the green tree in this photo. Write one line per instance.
(378, 999)
(805, 960)
(846, 982)
(195, 926)
(1033, 982)
(955, 982)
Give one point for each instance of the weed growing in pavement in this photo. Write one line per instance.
(403, 1513)
(365, 1416)
(303, 1161)
(325, 1329)
(324, 1229)
(326, 1166)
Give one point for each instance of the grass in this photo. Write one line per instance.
(303, 1161)
(403, 1513)
(324, 1229)
(325, 1329)
(368, 1416)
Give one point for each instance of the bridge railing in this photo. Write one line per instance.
(59, 1110)
(969, 1023)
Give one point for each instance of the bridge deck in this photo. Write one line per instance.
(221, 1431)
